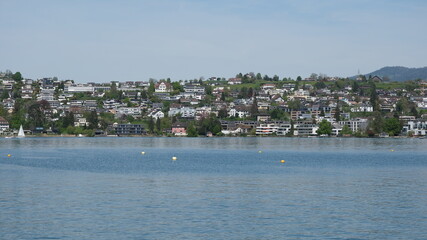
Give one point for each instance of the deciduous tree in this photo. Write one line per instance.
(325, 127)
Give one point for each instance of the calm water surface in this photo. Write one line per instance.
(218, 188)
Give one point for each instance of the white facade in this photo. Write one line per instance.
(185, 112)
(356, 124)
(78, 88)
(133, 111)
(271, 128)
(418, 128)
(362, 108)
(239, 113)
(156, 114)
(162, 87)
(46, 94)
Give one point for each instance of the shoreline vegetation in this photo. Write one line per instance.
(223, 136)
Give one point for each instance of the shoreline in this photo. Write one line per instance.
(153, 136)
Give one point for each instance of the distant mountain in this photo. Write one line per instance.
(400, 74)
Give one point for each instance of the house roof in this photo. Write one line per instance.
(168, 85)
(179, 125)
(3, 121)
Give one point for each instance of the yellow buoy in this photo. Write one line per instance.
(142, 153)
(9, 155)
(392, 150)
(282, 161)
(174, 158)
(259, 151)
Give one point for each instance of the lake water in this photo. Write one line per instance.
(218, 188)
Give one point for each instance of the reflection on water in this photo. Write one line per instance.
(300, 144)
(219, 188)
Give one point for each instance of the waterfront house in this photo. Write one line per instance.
(416, 127)
(179, 129)
(81, 122)
(4, 124)
(129, 129)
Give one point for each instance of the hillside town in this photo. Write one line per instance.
(243, 105)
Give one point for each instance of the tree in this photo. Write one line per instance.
(414, 111)
(36, 113)
(277, 114)
(243, 93)
(258, 76)
(294, 104)
(292, 130)
(209, 124)
(151, 125)
(17, 77)
(191, 130)
(355, 87)
(158, 125)
(4, 94)
(374, 97)
(346, 130)
(68, 120)
(92, 119)
(177, 87)
(266, 78)
(208, 90)
(325, 127)
(222, 113)
(144, 94)
(320, 85)
(375, 126)
(254, 108)
(113, 93)
(392, 126)
(222, 96)
(337, 114)
(402, 106)
(250, 92)
(299, 78)
(151, 88)
(166, 122)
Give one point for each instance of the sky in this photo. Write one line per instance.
(134, 40)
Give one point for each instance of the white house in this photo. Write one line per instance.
(163, 87)
(156, 114)
(239, 111)
(4, 124)
(362, 108)
(133, 111)
(418, 128)
(185, 112)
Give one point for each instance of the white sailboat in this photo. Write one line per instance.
(21, 133)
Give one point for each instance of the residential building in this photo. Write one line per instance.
(163, 87)
(417, 128)
(129, 129)
(4, 124)
(355, 125)
(179, 129)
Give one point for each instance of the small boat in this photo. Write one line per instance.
(21, 133)
(384, 135)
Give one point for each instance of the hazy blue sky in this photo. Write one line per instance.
(105, 40)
